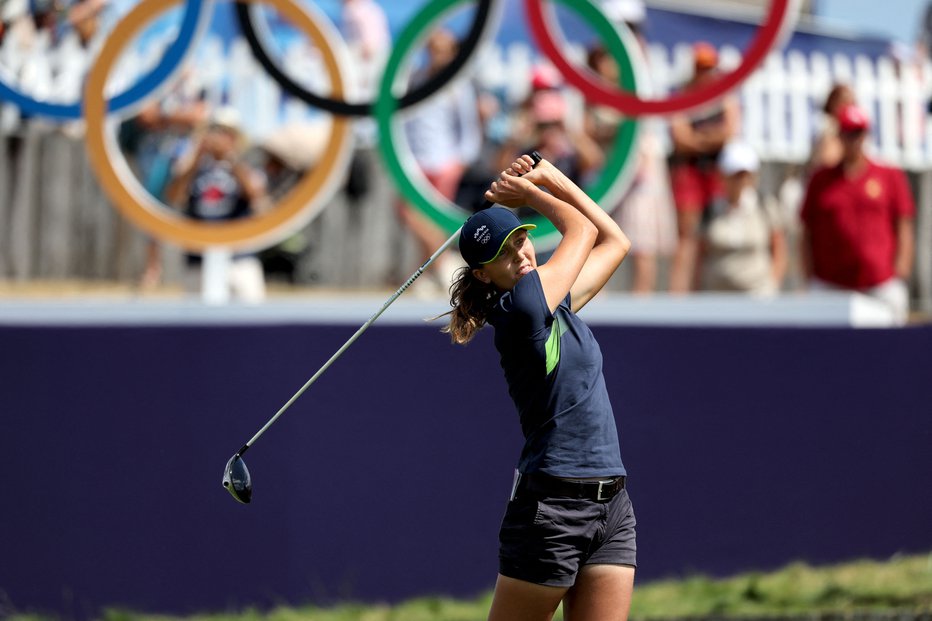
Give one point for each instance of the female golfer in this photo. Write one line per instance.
(568, 532)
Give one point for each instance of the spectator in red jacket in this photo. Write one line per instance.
(858, 223)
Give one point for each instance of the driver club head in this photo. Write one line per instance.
(236, 479)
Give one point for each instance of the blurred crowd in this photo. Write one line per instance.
(27, 22)
(695, 210)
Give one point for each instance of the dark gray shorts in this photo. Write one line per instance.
(547, 540)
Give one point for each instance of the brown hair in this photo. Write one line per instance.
(472, 301)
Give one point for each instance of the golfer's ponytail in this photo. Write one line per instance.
(472, 300)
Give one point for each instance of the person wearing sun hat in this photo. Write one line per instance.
(545, 122)
(743, 247)
(858, 219)
(569, 523)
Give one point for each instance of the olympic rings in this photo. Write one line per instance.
(162, 221)
(340, 107)
(194, 20)
(312, 189)
(782, 16)
(411, 182)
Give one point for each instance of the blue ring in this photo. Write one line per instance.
(151, 81)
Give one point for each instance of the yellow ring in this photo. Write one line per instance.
(166, 223)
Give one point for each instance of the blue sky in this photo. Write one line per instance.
(896, 19)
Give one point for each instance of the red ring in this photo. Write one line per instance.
(599, 93)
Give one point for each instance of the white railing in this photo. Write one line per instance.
(782, 100)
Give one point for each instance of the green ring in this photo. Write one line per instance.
(619, 163)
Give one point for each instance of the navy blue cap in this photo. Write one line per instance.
(485, 232)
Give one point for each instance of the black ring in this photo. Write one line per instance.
(342, 108)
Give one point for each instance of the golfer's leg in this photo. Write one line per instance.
(601, 593)
(517, 600)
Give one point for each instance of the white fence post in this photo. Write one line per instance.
(215, 276)
(800, 121)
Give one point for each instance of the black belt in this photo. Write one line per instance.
(546, 485)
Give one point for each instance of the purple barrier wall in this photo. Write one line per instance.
(747, 448)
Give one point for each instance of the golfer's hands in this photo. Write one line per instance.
(516, 183)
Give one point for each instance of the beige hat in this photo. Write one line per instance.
(299, 145)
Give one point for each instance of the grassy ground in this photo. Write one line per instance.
(902, 584)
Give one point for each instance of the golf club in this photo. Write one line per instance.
(236, 478)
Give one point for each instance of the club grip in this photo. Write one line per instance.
(534, 156)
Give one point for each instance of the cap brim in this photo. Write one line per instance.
(525, 227)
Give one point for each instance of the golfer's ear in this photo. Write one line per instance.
(480, 275)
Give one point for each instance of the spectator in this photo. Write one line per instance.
(542, 124)
(494, 122)
(15, 23)
(698, 140)
(858, 223)
(286, 155)
(152, 141)
(742, 247)
(58, 17)
(826, 153)
(646, 211)
(215, 184)
(827, 147)
(445, 136)
(365, 29)
(84, 17)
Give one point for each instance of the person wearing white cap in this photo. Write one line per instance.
(742, 246)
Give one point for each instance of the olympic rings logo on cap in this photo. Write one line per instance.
(319, 184)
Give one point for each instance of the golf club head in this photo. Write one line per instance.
(236, 479)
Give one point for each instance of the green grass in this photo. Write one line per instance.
(902, 584)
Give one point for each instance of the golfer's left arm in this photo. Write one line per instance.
(611, 244)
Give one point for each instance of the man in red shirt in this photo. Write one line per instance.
(858, 222)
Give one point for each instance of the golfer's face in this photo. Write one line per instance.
(515, 261)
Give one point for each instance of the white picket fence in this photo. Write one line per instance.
(782, 100)
(782, 104)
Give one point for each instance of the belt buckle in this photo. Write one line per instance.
(598, 494)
